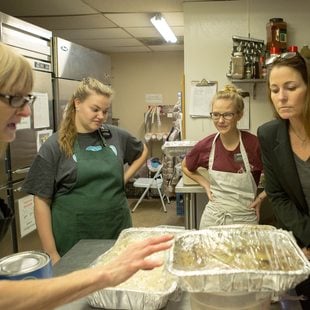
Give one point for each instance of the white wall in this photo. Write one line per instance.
(209, 27)
(137, 74)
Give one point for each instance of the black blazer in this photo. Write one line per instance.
(283, 185)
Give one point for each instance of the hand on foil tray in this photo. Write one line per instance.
(135, 257)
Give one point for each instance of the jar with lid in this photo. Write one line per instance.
(277, 34)
(237, 65)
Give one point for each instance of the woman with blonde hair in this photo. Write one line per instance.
(232, 158)
(78, 178)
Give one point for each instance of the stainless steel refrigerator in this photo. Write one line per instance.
(73, 62)
(35, 44)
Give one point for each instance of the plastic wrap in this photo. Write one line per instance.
(237, 258)
(147, 289)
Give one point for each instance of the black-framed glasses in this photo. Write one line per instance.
(19, 101)
(227, 115)
(287, 55)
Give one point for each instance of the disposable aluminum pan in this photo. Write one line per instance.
(146, 290)
(237, 258)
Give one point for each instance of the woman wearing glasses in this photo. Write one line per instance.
(232, 158)
(16, 82)
(285, 144)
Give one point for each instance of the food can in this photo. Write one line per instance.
(25, 265)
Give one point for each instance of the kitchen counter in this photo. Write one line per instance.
(190, 203)
(86, 251)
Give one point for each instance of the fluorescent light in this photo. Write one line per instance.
(163, 28)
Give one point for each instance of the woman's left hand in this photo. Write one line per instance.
(256, 204)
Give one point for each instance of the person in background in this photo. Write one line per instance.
(285, 146)
(78, 178)
(16, 82)
(232, 158)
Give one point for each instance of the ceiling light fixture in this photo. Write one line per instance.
(163, 28)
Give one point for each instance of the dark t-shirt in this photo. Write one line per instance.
(224, 160)
(52, 172)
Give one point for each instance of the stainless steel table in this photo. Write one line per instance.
(190, 202)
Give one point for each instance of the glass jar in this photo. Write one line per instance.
(277, 34)
(237, 65)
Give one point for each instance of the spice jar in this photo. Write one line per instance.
(277, 34)
(237, 69)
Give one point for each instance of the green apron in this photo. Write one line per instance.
(96, 207)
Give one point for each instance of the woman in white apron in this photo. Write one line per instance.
(232, 158)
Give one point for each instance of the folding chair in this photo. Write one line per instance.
(151, 183)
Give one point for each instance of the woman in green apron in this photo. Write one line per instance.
(78, 178)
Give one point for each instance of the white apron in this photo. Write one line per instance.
(232, 194)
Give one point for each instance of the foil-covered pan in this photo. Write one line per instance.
(237, 258)
(147, 289)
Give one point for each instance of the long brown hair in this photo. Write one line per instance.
(67, 130)
(302, 66)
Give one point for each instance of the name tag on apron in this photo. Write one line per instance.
(238, 157)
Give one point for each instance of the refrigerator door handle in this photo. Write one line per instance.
(22, 171)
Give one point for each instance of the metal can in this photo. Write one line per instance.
(25, 265)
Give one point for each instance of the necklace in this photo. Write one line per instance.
(299, 137)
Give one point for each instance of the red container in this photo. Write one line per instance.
(292, 48)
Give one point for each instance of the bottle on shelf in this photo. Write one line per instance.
(237, 65)
(276, 30)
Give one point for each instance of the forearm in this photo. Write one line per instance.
(44, 224)
(196, 176)
(49, 293)
(136, 165)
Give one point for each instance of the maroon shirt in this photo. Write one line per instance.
(225, 160)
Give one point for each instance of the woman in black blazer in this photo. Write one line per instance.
(285, 148)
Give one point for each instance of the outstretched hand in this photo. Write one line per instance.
(136, 257)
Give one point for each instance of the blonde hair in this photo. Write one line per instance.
(232, 93)
(67, 129)
(16, 77)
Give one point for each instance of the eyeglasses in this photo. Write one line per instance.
(273, 58)
(227, 115)
(19, 101)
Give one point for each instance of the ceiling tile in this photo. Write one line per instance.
(146, 32)
(45, 7)
(136, 5)
(110, 42)
(130, 19)
(71, 22)
(104, 33)
(174, 19)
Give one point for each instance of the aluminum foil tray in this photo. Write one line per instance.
(238, 258)
(146, 290)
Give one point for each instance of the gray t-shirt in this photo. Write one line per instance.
(303, 168)
(52, 172)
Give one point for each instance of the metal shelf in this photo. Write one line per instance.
(251, 81)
